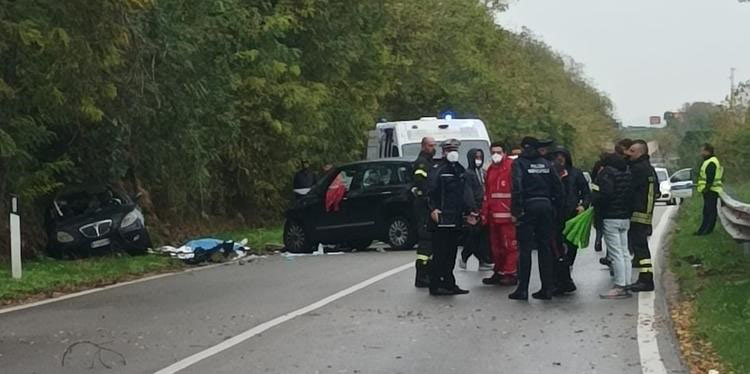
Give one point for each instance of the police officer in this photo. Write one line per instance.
(451, 202)
(710, 185)
(422, 167)
(645, 192)
(536, 197)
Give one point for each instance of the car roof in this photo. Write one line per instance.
(394, 160)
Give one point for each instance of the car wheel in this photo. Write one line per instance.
(140, 247)
(401, 233)
(296, 238)
(673, 201)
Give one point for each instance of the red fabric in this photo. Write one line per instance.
(499, 181)
(504, 248)
(334, 195)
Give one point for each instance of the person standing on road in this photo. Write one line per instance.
(497, 219)
(577, 199)
(304, 179)
(422, 166)
(620, 148)
(710, 185)
(475, 242)
(645, 193)
(451, 203)
(612, 197)
(536, 195)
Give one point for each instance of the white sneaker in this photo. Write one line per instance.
(486, 266)
(462, 264)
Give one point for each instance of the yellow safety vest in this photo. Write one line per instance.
(717, 185)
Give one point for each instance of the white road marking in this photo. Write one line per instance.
(99, 289)
(648, 345)
(237, 339)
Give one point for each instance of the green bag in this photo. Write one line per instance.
(578, 229)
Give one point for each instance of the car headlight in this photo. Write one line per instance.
(64, 237)
(131, 218)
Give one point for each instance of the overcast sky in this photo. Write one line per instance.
(649, 56)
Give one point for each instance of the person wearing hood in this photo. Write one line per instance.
(451, 204)
(535, 198)
(577, 199)
(612, 198)
(475, 240)
(497, 218)
(304, 180)
(645, 193)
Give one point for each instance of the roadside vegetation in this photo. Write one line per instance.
(714, 278)
(205, 107)
(44, 277)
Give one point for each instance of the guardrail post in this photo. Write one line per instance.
(15, 238)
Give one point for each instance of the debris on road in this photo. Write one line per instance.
(207, 250)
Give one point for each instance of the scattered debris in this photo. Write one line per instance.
(207, 250)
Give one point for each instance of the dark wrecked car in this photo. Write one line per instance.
(353, 206)
(96, 220)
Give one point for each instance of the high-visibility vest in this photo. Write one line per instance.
(717, 185)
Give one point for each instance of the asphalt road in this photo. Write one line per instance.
(386, 327)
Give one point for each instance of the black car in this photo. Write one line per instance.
(95, 220)
(376, 205)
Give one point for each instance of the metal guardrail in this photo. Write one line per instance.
(735, 217)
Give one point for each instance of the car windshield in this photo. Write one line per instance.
(662, 175)
(411, 151)
(80, 203)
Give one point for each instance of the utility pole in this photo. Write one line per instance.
(731, 87)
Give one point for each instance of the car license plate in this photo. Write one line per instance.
(100, 243)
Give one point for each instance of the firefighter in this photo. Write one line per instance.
(645, 193)
(535, 199)
(422, 167)
(451, 206)
(496, 216)
(710, 185)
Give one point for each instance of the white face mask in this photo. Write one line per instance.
(478, 163)
(452, 156)
(496, 158)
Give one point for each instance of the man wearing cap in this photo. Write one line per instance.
(422, 167)
(451, 204)
(535, 199)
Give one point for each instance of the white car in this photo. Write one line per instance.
(678, 186)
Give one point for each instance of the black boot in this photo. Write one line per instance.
(542, 295)
(519, 294)
(645, 283)
(422, 279)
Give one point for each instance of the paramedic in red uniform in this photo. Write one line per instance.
(496, 215)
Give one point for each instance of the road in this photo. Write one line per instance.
(384, 327)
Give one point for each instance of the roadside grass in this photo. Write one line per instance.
(260, 240)
(46, 277)
(714, 274)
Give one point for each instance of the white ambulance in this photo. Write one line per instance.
(402, 139)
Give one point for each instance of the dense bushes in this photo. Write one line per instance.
(205, 105)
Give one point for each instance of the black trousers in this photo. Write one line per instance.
(422, 215)
(535, 230)
(444, 250)
(476, 243)
(710, 212)
(638, 241)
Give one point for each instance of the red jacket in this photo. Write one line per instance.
(496, 205)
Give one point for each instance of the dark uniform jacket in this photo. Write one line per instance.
(448, 191)
(422, 167)
(645, 190)
(534, 177)
(576, 188)
(613, 191)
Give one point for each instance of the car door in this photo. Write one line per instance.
(331, 224)
(682, 183)
(379, 182)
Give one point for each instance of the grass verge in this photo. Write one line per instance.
(44, 278)
(259, 240)
(714, 277)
